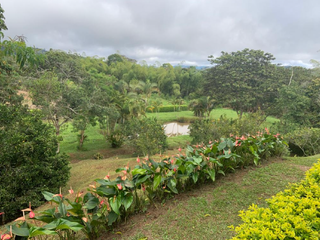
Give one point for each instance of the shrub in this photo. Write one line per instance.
(29, 163)
(146, 136)
(114, 200)
(206, 130)
(292, 214)
(305, 139)
(170, 108)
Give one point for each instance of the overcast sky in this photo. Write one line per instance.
(172, 31)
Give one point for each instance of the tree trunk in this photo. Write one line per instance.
(57, 127)
(81, 139)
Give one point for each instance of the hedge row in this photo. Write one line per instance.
(292, 214)
(170, 108)
(113, 200)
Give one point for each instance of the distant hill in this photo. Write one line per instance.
(197, 67)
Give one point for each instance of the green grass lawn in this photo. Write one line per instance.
(208, 211)
(96, 142)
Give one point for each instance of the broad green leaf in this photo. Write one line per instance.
(92, 203)
(172, 185)
(120, 169)
(47, 195)
(156, 180)
(105, 191)
(112, 217)
(141, 180)
(195, 177)
(127, 201)
(60, 224)
(212, 174)
(190, 168)
(129, 184)
(222, 145)
(62, 209)
(136, 171)
(36, 231)
(115, 204)
(197, 160)
(181, 168)
(22, 231)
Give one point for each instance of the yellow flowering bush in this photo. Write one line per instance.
(292, 214)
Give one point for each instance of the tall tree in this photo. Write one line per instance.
(242, 80)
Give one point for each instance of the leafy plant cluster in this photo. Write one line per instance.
(29, 163)
(146, 136)
(292, 214)
(205, 130)
(305, 141)
(169, 108)
(149, 181)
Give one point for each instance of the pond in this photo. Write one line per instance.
(175, 128)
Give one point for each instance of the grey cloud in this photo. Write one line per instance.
(169, 31)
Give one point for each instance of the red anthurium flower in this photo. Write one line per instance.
(107, 177)
(1, 213)
(138, 159)
(31, 214)
(119, 186)
(174, 169)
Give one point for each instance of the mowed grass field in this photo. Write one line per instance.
(96, 142)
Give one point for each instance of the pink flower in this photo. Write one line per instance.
(138, 159)
(174, 169)
(1, 213)
(31, 214)
(124, 172)
(60, 195)
(143, 187)
(107, 177)
(267, 130)
(179, 149)
(5, 237)
(119, 186)
(71, 190)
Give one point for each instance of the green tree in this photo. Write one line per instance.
(202, 106)
(29, 163)
(242, 80)
(146, 136)
(3, 25)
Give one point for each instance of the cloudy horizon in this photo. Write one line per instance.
(180, 31)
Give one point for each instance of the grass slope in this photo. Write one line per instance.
(206, 212)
